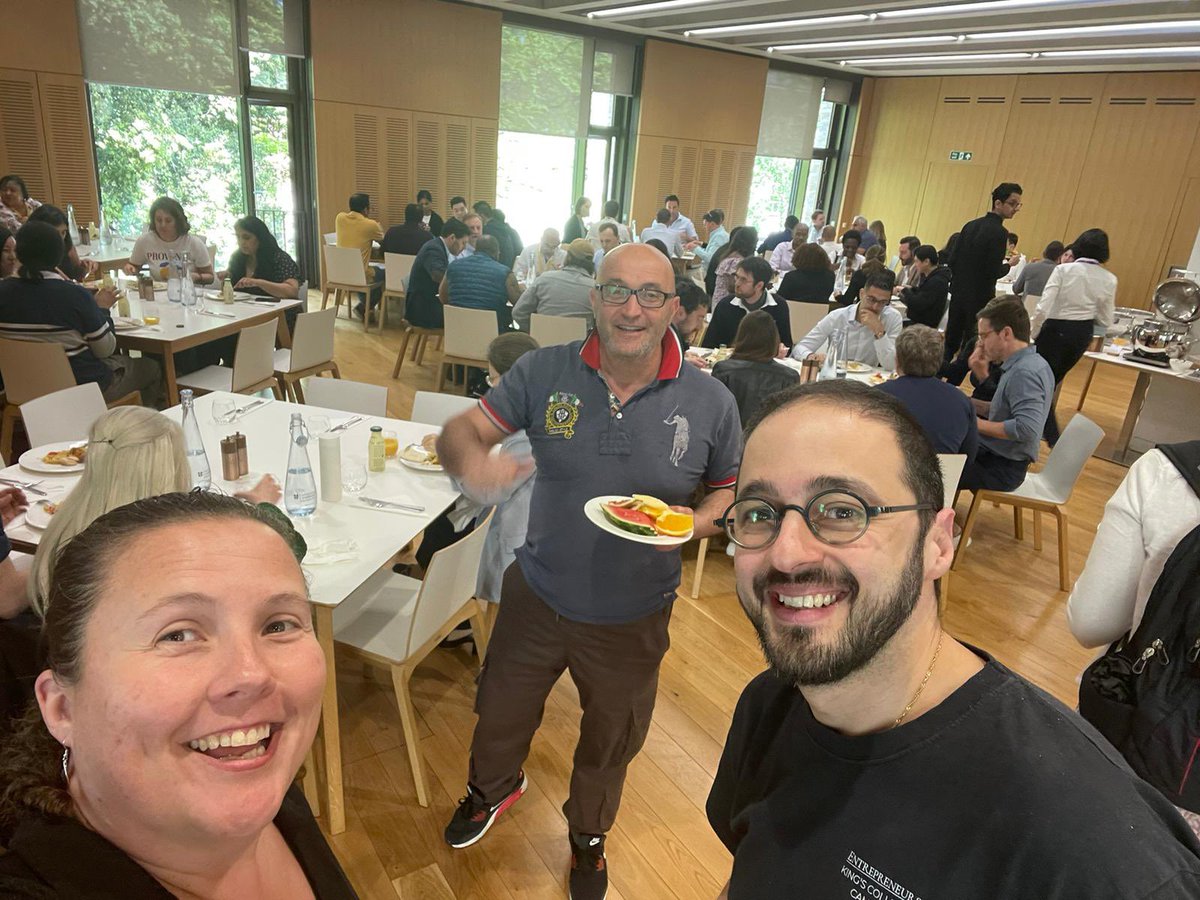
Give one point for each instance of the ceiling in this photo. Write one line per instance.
(913, 37)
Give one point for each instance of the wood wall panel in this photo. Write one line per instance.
(43, 36)
(897, 117)
(68, 139)
(22, 140)
(703, 175)
(484, 158)
(1115, 151)
(394, 54)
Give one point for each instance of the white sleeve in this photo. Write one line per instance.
(777, 256)
(1107, 302)
(1102, 602)
(1047, 303)
(522, 265)
(199, 251)
(137, 256)
(815, 339)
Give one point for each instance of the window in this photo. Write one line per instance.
(564, 120)
(772, 193)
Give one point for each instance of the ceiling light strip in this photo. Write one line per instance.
(1088, 30)
(768, 26)
(870, 42)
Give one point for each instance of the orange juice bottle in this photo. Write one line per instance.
(376, 452)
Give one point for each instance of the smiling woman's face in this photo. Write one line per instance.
(11, 196)
(200, 686)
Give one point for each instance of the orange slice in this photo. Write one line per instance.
(673, 524)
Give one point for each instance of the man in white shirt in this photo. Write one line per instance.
(608, 239)
(474, 223)
(612, 212)
(662, 230)
(680, 224)
(781, 256)
(817, 223)
(871, 326)
(718, 237)
(538, 258)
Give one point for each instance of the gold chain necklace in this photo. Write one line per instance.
(924, 681)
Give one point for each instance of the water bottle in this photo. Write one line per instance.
(299, 488)
(174, 280)
(72, 225)
(105, 237)
(833, 350)
(187, 286)
(194, 444)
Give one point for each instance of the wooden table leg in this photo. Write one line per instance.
(330, 731)
(1131, 416)
(168, 359)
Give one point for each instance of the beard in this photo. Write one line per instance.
(794, 652)
(608, 331)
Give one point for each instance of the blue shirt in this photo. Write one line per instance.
(943, 411)
(718, 239)
(678, 431)
(1022, 403)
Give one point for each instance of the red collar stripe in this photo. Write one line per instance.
(672, 354)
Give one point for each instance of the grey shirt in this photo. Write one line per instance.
(561, 292)
(1022, 403)
(1033, 278)
(678, 431)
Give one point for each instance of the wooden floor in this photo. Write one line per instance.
(1004, 599)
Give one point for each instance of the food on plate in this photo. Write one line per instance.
(417, 453)
(877, 378)
(50, 508)
(71, 456)
(853, 366)
(648, 516)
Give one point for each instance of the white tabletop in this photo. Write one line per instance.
(1118, 359)
(379, 534)
(178, 323)
(116, 250)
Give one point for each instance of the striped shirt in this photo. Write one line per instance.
(61, 312)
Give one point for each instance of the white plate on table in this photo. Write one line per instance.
(38, 516)
(418, 465)
(31, 460)
(237, 295)
(596, 516)
(124, 323)
(858, 368)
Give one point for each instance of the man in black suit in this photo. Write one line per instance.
(407, 238)
(430, 220)
(422, 306)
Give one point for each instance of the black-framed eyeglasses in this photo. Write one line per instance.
(834, 517)
(618, 295)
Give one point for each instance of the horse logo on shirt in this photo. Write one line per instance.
(679, 445)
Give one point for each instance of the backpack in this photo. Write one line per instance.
(1144, 693)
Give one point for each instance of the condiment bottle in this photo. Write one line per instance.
(229, 459)
(227, 291)
(243, 458)
(376, 450)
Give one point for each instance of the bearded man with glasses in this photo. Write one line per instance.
(878, 756)
(618, 413)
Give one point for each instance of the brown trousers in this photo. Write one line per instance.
(614, 667)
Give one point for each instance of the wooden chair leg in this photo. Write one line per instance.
(1018, 523)
(333, 367)
(279, 393)
(382, 314)
(968, 526)
(1037, 530)
(325, 298)
(1087, 385)
(400, 355)
(479, 629)
(701, 552)
(6, 434)
(279, 380)
(421, 350)
(311, 792)
(441, 377)
(1064, 560)
(297, 390)
(416, 346)
(408, 719)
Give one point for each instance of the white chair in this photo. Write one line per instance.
(952, 465)
(803, 317)
(348, 396)
(344, 276)
(396, 269)
(253, 366)
(435, 409)
(331, 239)
(551, 330)
(468, 333)
(1045, 491)
(310, 354)
(65, 415)
(397, 621)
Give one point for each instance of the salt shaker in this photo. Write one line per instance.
(243, 460)
(229, 459)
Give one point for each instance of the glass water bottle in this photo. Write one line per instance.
(194, 444)
(299, 488)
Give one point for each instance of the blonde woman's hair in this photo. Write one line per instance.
(133, 453)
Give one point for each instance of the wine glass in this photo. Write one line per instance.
(354, 475)
(223, 410)
(317, 425)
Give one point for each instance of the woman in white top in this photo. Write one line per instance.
(1077, 294)
(170, 235)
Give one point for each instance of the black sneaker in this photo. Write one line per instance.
(589, 869)
(474, 817)
(461, 634)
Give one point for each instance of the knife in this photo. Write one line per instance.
(27, 488)
(391, 504)
(354, 420)
(220, 315)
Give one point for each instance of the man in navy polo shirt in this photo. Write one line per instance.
(618, 413)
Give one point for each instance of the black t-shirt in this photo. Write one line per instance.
(999, 792)
(52, 857)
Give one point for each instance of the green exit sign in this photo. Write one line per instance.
(961, 155)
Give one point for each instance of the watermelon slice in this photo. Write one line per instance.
(632, 520)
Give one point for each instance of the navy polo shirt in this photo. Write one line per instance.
(680, 430)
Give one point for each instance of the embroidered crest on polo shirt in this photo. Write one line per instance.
(562, 412)
(679, 445)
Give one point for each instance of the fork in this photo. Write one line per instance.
(390, 504)
(30, 486)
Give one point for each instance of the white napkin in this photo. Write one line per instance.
(328, 552)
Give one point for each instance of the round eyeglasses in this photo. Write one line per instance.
(834, 517)
(618, 295)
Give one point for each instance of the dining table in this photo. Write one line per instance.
(348, 540)
(111, 254)
(183, 327)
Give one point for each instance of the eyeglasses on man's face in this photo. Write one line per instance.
(618, 295)
(834, 517)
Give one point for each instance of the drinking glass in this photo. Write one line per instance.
(391, 444)
(223, 410)
(317, 425)
(354, 475)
